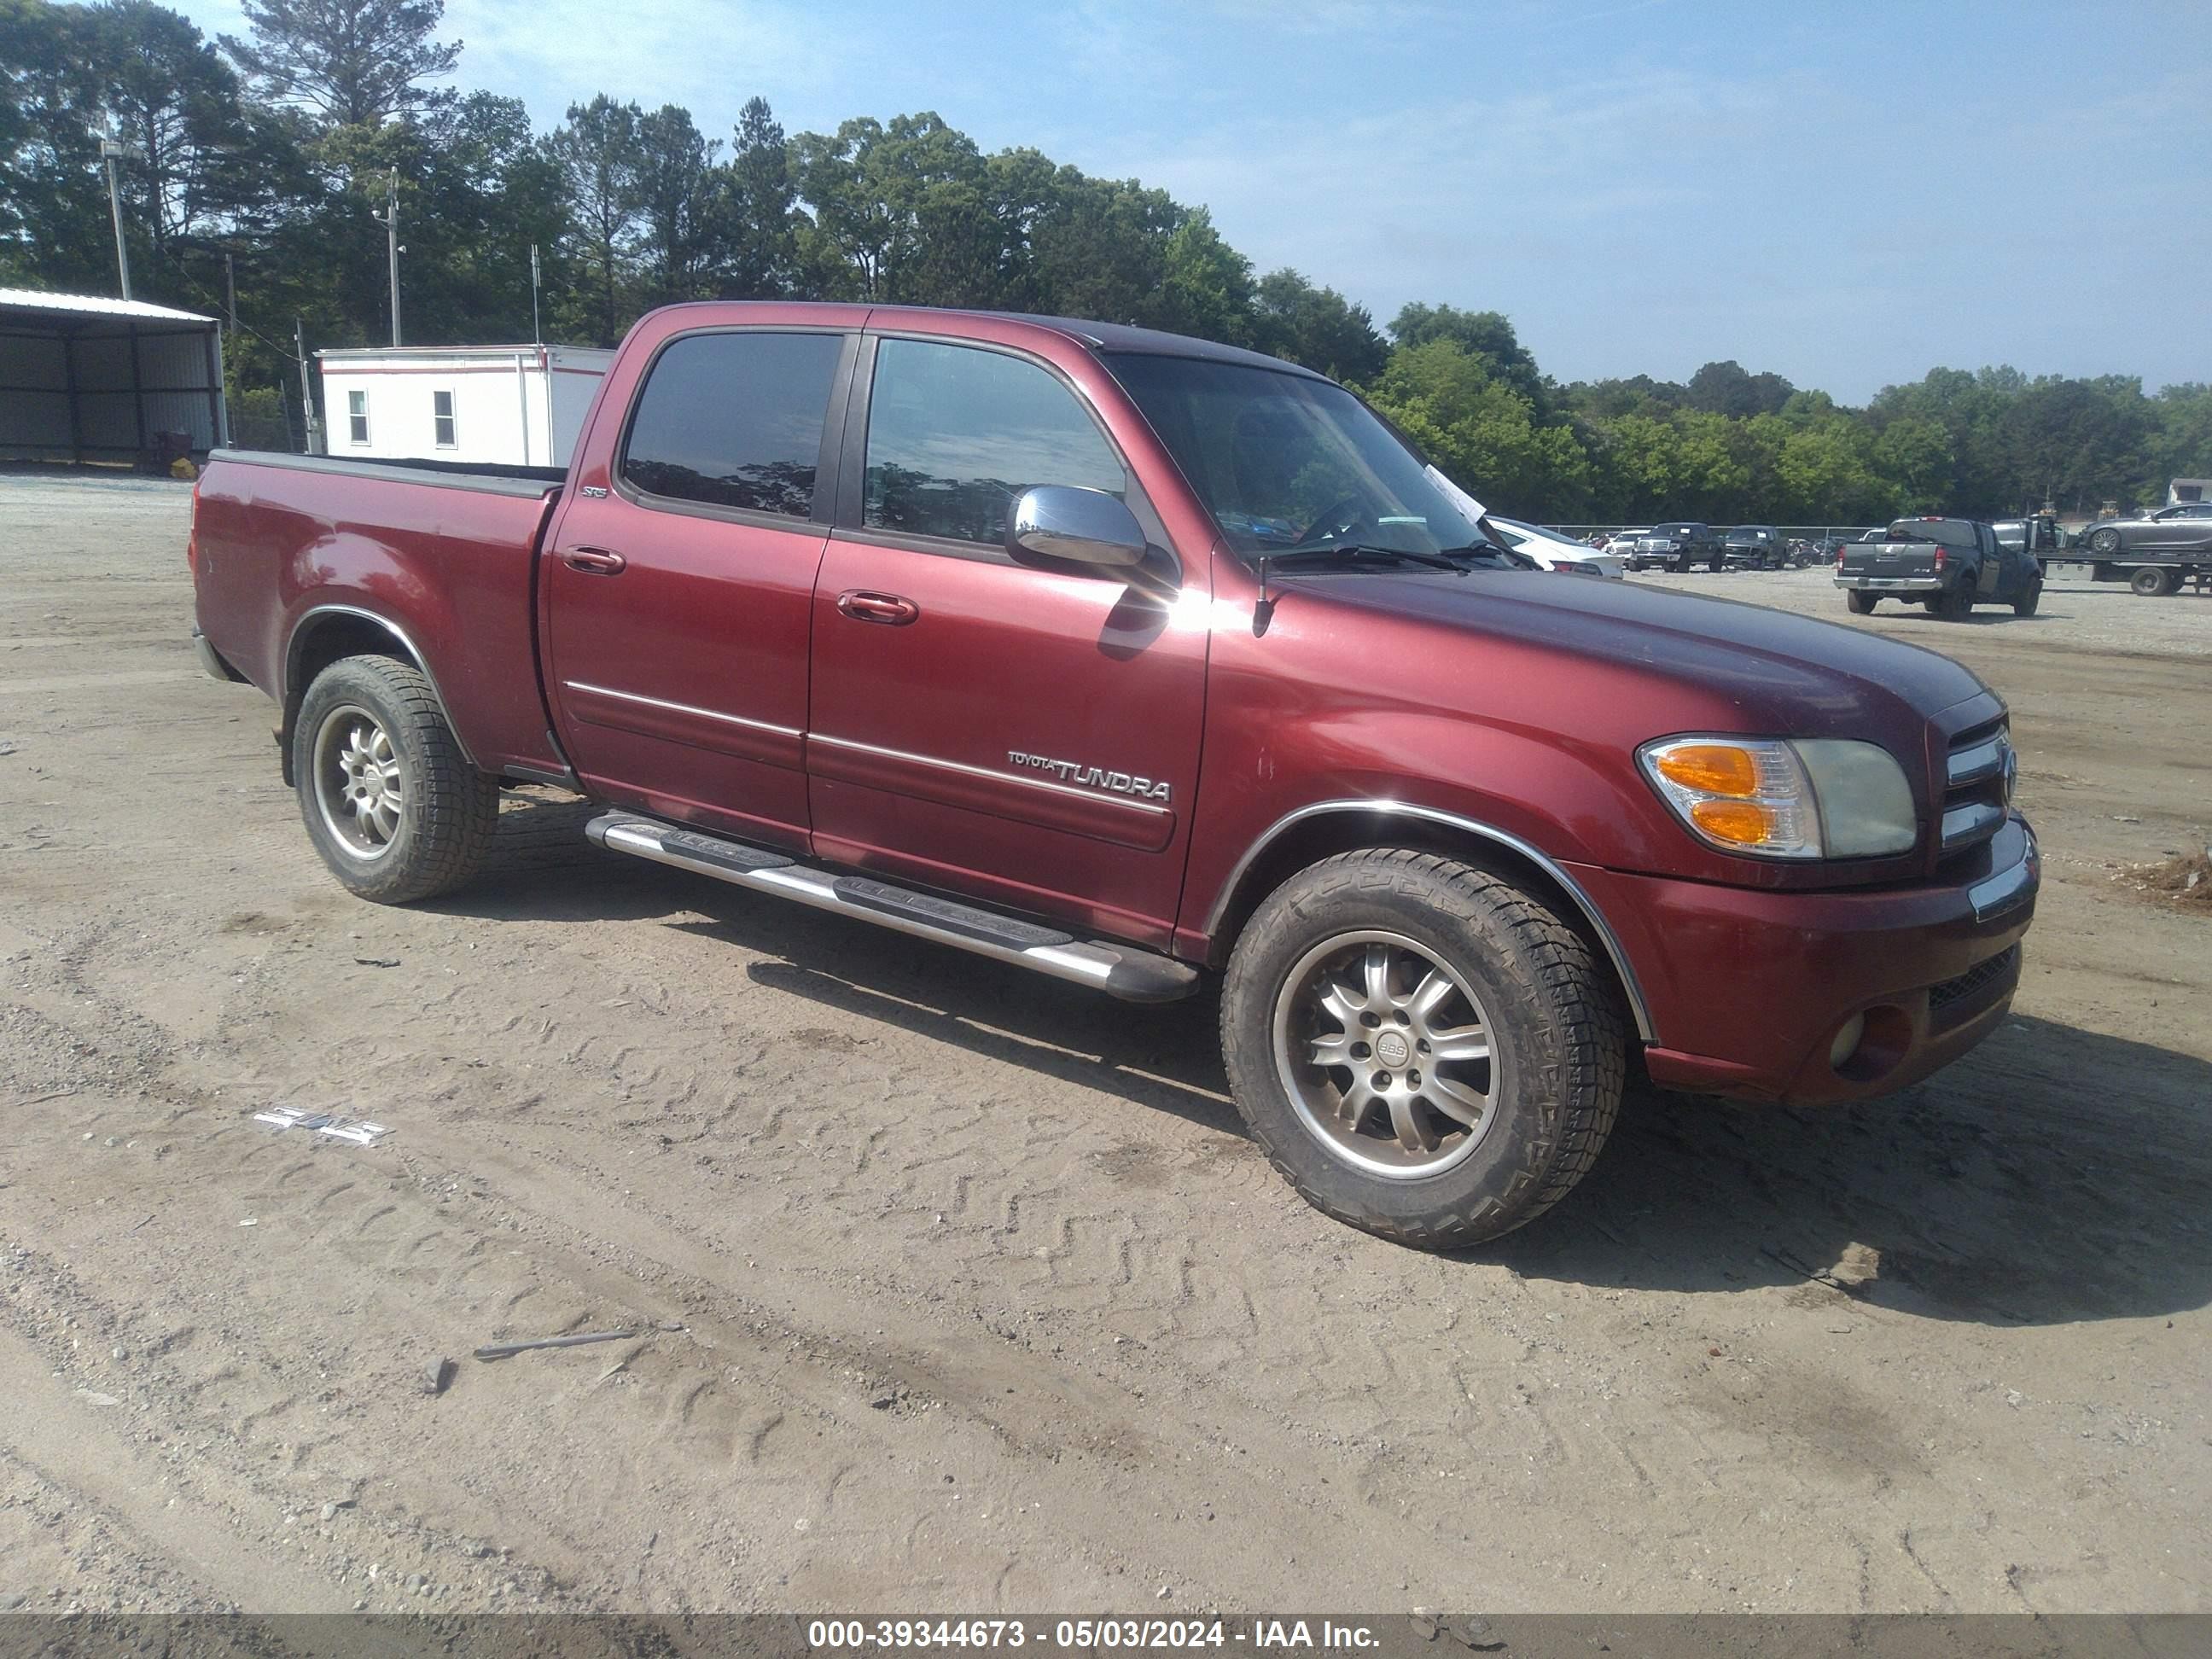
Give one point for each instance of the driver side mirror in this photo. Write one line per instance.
(1085, 526)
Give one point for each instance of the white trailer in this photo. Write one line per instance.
(517, 405)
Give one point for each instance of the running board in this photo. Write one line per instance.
(1119, 971)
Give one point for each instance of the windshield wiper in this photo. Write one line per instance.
(1361, 552)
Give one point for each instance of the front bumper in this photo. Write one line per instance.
(1893, 584)
(1748, 988)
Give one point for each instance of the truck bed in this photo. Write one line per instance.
(296, 552)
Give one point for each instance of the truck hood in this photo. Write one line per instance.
(1788, 675)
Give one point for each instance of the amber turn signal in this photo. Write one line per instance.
(1743, 822)
(1711, 768)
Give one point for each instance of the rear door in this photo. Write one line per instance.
(677, 599)
(1027, 735)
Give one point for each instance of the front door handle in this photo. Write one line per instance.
(888, 609)
(594, 561)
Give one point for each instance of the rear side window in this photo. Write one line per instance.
(734, 420)
(955, 434)
(1945, 532)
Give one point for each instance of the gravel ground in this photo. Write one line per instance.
(953, 1288)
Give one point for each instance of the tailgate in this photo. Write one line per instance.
(1889, 559)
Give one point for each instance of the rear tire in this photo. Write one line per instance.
(1861, 605)
(391, 802)
(1955, 604)
(1345, 998)
(2154, 583)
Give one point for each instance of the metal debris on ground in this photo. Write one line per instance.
(503, 1350)
(359, 1131)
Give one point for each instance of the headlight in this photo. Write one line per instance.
(1811, 799)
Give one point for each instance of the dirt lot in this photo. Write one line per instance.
(959, 1288)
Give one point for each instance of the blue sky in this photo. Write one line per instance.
(1848, 194)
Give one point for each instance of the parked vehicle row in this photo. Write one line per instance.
(1140, 661)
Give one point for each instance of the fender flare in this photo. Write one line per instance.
(1550, 866)
(295, 642)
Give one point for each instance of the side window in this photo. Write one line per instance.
(734, 420)
(955, 434)
(441, 419)
(357, 417)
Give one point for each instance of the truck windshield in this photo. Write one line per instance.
(1283, 460)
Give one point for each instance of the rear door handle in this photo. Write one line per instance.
(594, 561)
(886, 608)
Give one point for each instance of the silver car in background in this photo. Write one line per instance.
(1556, 552)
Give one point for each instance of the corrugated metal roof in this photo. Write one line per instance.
(30, 299)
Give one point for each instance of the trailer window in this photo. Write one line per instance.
(357, 417)
(442, 418)
(734, 420)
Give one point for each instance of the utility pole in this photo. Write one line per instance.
(537, 334)
(306, 390)
(112, 149)
(230, 288)
(390, 220)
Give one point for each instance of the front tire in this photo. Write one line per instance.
(1423, 1050)
(391, 802)
(2026, 603)
(2104, 541)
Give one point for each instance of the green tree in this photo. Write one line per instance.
(678, 190)
(759, 246)
(1485, 334)
(1207, 290)
(597, 152)
(1481, 431)
(353, 63)
(1317, 327)
(1727, 388)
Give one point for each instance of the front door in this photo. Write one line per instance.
(677, 598)
(1027, 735)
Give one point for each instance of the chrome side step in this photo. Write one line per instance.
(1119, 971)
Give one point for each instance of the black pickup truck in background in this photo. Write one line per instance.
(1677, 546)
(1949, 565)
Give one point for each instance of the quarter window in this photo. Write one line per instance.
(442, 418)
(357, 417)
(956, 435)
(734, 420)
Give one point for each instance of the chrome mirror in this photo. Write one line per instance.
(1088, 527)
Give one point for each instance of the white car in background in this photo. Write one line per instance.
(1556, 552)
(1623, 541)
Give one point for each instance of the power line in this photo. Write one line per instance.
(198, 287)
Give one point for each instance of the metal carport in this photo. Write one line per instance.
(83, 378)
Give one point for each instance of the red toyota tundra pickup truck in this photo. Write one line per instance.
(1138, 660)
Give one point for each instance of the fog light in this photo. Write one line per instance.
(1848, 1036)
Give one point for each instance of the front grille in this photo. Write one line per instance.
(1951, 991)
(1978, 787)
